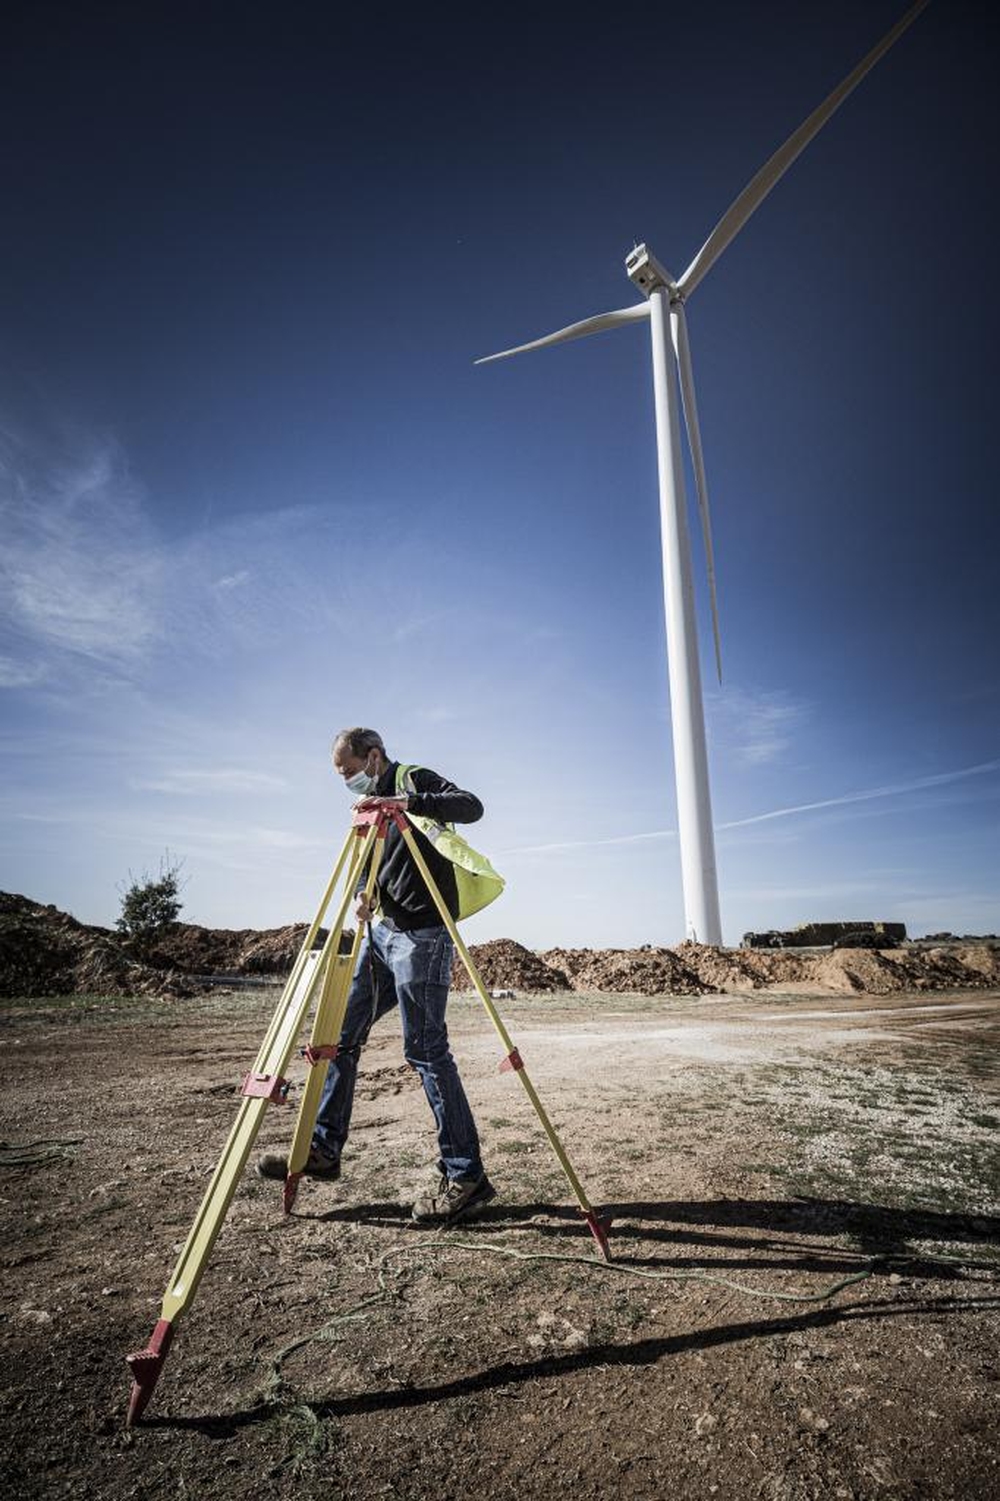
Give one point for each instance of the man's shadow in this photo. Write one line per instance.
(639, 1352)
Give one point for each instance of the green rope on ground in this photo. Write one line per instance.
(354, 1315)
(592, 1263)
(358, 1312)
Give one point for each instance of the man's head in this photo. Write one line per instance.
(359, 757)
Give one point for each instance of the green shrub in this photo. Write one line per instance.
(150, 903)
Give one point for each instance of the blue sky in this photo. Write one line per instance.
(253, 488)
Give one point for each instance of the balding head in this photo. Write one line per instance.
(358, 750)
(358, 742)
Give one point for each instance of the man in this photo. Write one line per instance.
(405, 960)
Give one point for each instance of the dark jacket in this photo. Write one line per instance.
(401, 892)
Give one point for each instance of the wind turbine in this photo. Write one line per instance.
(664, 309)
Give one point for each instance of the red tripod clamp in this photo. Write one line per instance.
(312, 1055)
(266, 1087)
(381, 812)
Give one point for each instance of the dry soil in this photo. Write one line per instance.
(756, 1151)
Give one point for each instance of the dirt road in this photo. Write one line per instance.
(755, 1151)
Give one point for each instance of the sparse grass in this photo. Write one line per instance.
(305, 1439)
(131, 1010)
(910, 1138)
(80, 1010)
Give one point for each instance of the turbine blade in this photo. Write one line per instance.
(774, 169)
(678, 328)
(579, 330)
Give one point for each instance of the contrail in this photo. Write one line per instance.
(893, 790)
(589, 844)
(896, 789)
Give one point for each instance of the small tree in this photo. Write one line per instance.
(150, 904)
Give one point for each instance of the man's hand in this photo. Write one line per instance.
(362, 910)
(402, 802)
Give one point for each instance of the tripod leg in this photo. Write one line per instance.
(599, 1225)
(326, 1029)
(263, 1085)
(321, 1048)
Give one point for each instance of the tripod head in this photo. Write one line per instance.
(381, 812)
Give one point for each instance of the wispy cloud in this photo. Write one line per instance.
(436, 714)
(206, 837)
(755, 728)
(828, 891)
(969, 908)
(77, 570)
(234, 580)
(86, 578)
(20, 674)
(226, 779)
(405, 629)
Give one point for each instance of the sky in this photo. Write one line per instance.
(253, 489)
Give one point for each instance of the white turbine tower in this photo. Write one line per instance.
(665, 310)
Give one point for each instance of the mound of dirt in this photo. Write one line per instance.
(640, 972)
(844, 971)
(698, 968)
(688, 969)
(740, 969)
(274, 951)
(506, 965)
(646, 971)
(233, 951)
(46, 952)
(884, 972)
(869, 970)
(200, 951)
(980, 959)
(568, 962)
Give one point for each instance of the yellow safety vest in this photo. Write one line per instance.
(476, 882)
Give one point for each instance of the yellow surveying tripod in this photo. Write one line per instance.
(327, 973)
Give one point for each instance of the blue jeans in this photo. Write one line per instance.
(413, 971)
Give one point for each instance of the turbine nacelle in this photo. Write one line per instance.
(646, 273)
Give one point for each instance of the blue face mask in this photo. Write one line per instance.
(361, 784)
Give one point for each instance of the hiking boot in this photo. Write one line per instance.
(318, 1165)
(451, 1199)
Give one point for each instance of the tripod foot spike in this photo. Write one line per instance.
(146, 1366)
(289, 1191)
(600, 1226)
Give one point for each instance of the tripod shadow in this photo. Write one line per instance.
(739, 1234)
(710, 1235)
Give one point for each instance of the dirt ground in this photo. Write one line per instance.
(756, 1151)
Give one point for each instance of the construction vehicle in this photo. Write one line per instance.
(840, 935)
